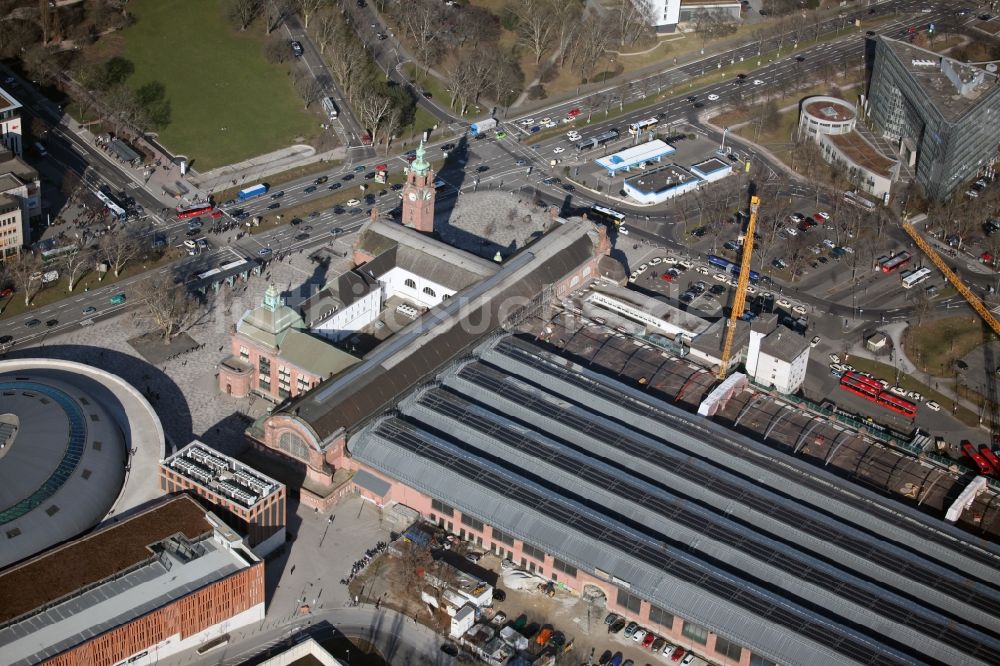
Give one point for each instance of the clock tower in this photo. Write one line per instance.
(418, 194)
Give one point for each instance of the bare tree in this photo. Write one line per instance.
(568, 18)
(326, 31)
(372, 110)
(274, 12)
(632, 20)
(393, 123)
(458, 83)
(25, 273)
(308, 88)
(75, 264)
(421, 23)
(170, 311)
(535, 26)
(45, 19)
(308, 9)
(591, 44)
(243, 12)
(348, 68)
(119, 246)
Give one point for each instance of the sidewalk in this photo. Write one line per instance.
(261, 166)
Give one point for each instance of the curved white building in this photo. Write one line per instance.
(832, 123)
(67, 432)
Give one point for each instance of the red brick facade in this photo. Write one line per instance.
(257, 368)
(258, 523)
(185, 617)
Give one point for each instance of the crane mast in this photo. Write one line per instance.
(740, 298)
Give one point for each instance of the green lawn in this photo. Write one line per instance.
(935, 346)
(215, 78)
(436, 88)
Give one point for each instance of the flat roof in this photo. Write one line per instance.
(834, 112)
(629, 157)
(711, 165)
(862, 153)
(691, 324)
(96, 557)
(8, 102)
(65, 468)
(661, 179)
(221, 475)
(926, 68)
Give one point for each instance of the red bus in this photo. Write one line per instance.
(897, 404)
(991, 458)
(192, 211)
(898, 261)
(984, 466)
(867, 381)
(850, 381)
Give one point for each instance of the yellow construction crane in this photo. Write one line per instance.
(740, 298)
(955, 281)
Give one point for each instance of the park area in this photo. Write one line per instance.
(227, 103)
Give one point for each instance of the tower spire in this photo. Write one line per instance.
(420, 165)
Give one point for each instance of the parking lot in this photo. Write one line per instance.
(704, 289)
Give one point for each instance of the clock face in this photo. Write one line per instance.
(413, 196)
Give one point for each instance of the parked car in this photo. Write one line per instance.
(630, 629)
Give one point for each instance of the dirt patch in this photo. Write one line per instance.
(152, 347)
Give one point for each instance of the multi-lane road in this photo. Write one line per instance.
(506, 164)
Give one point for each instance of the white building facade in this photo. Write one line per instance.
(777, 358)
(11, 130)
(408, 285)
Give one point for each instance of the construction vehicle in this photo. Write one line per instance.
(740, 298)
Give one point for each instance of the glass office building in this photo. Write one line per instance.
(943, 115)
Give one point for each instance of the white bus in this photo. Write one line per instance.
(642, 126)
(916, 277)
(607, 215)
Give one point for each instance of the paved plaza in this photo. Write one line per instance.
(183, 389)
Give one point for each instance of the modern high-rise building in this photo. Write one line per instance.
(944, 115)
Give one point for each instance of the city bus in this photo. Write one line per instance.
(896, 404)
(895, 262)
(642, 126)
(607, 215)
(188, 212)
(916, 277)
(731, 267)
(859, 385)
(111, 204)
